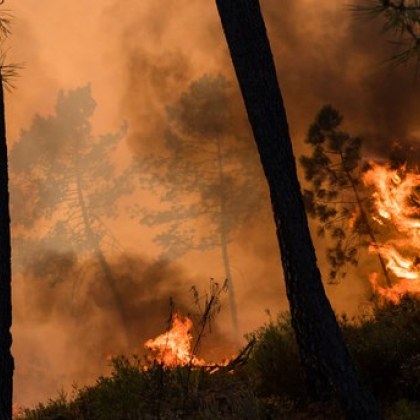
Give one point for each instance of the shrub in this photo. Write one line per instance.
(274, 363)
(385, 345)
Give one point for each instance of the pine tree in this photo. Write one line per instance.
(335, 197)
(209, 176)
(6, 359)
(7, 72)
(402, 17)
(323, 354)
(64, 175)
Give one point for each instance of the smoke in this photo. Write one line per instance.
(326, 54)
(139, 58)
(66, 329)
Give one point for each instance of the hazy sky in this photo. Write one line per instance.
(138, 57)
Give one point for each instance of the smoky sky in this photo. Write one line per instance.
(139, 57)
(69, 324)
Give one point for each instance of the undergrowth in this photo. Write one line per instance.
(269, 384)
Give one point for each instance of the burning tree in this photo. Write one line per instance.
(396, 199)
(207, 174)
(336, 197)
(63, 176)
(323, 354)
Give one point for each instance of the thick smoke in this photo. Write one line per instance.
(66, 326)
(324, 54)
(139, 57)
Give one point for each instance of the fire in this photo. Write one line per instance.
(396, 196)
(173, 348)
(17, 411)
(396, 203)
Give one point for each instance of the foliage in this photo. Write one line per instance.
(333, 197)
(62, 174)
(404, 410)
(275, 361)
(402, 17)
(385, 346)
(207, 173)
(132, 392)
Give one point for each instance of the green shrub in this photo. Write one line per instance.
(132, 392)
(274, 363)
(404, 410)
(385, 345)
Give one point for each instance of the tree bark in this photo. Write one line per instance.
(322, 351)
(6, 359)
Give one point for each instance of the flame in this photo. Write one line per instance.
(17, 411)
(353, 218)
(396, 202)
(396, 197)
(173, 348)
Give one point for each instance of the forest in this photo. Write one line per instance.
(209, 210)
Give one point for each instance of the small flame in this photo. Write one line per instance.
(173, 348)
(397, 204)
(17, 410)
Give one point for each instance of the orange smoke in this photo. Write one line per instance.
(396, 205)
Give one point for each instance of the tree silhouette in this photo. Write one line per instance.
(402, 17)
(335, 197)
(209, 175)
(6, 359)
(324, 356)
(63, 176)
(7, 71)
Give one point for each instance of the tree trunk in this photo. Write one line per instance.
(106, 269)
(322, 351)
(6, 359)
(224, 245)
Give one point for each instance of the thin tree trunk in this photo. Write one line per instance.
(106, 269)
(6, 359)
(224, 244)
(322, 351)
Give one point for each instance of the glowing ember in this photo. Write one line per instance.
(173, 348)
(396, 202)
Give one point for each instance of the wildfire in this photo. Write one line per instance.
(396, 196)
(396, 202)
(173, 348)
(17, 411)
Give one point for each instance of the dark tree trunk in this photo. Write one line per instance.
(323, 354)
(6, 359)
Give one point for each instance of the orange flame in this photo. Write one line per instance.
(396, 198)
(396, 202)
(173, 348)
(17, 411)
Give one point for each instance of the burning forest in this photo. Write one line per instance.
(145, 150)
(396, 209)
